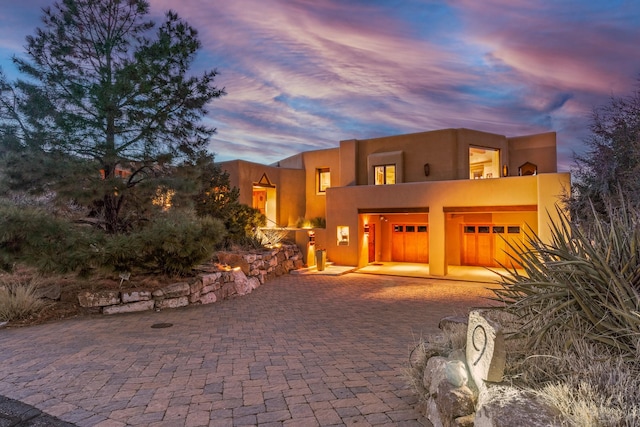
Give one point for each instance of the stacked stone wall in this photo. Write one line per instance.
(235, 273)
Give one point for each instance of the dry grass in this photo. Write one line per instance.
(19, 299)
(591, 383)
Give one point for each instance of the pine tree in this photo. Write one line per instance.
(108, 102)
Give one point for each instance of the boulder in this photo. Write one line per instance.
(172, 302)
(129, 308)
(135, 296)
(174, 290)
(98, 299)
(507, 406)
(51, 291)
(208, 298)
(234, 260)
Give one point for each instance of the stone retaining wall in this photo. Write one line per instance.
(236, 273)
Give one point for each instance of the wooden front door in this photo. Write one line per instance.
(260, 200)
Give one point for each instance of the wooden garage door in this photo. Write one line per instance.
(410, 243)
(486, 244)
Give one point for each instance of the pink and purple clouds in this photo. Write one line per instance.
(303, 74)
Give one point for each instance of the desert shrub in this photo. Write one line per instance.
(242, 224)
(574, 331)
(318, 222)
(171, 244)
(37, 238)
(271, 236)
(585, 281)
(19, 298)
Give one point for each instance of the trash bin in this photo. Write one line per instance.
(321, 259)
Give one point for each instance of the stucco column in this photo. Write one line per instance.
(437, 239)
(551, 189)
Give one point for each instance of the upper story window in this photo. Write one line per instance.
(324, 179)
(484, 162)
(385, 174)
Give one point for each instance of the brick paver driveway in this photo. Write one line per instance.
(300, 350)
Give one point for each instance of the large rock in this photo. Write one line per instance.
(174, 290)
(507, 407)
(135, 296)
(172, 302)
(234, 260)
(208, 298)
(51, 291)
(486, 354)
(454, 402)
(210, 279)
(434, 374)
(129, 308)
(98, 299)
(243, 284)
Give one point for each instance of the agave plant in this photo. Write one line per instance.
(585, 281)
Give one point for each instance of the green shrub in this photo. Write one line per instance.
(171, 244)
(586, 280)
(35, 237)
(19, 299)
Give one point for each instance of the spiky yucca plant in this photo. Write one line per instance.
(585, 281)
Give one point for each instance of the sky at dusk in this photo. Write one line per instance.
(305, 74)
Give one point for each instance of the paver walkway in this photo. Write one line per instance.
(298, 351)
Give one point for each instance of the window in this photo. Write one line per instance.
(484, 162)
(385, 174)
(324, 180)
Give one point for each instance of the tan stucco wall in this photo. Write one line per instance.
(290, 194)
(538, 149)
(343, 205)
(446, 151)
(314, 160)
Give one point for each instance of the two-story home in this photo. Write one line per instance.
(443, 198)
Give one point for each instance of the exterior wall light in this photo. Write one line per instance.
(427, 169)
(312, 238)
(505, 170)
(366, 229)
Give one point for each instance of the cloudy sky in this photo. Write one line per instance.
(306, 74)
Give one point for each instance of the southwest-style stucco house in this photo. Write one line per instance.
(444, 198)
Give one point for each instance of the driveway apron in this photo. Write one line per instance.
(301, 350)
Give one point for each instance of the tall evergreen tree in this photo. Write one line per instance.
(110, 92)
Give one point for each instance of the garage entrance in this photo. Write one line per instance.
(410, 242)
(488, 244)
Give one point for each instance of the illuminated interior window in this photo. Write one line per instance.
(484, 163)
(385, 174)
(343, 235)
(324, 180)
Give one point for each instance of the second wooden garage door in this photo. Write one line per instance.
(410, 243)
